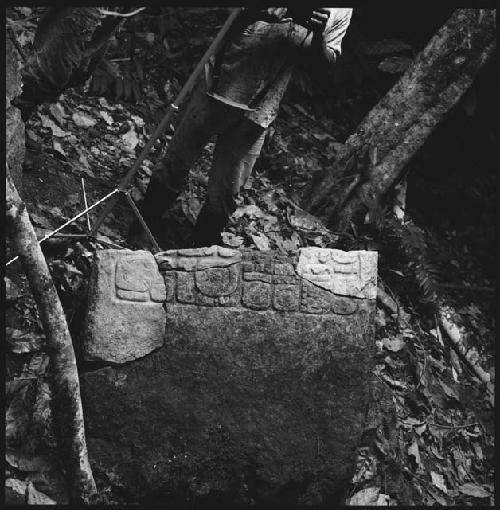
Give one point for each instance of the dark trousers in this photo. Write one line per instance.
(238, 145)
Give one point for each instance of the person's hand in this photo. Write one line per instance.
(319, 19)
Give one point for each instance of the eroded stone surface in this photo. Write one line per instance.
(352, 273)
(259, 392)
(125, 318)
(191, 259)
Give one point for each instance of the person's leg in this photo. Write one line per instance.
(201, 118)
(235, 154)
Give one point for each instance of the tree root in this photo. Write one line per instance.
(68, 411)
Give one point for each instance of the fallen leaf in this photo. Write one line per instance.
(21, 342)
(25, 37)
(270, 198)
(318, 241)
(474, 490)
(421, 429)
(270, 224)
(104, 103)
(392, 382)
(32, 136)
(261, 241)
(57, 111)
(365, 497)
(58, 147)
(437, 497)
(138, 121)
(191, 208)
(107, 118)
(83, 120)
(478, 451)
(450, 392)
(408, 333)
(414, 452)
(56, 130)
(230, 239)
(251, 210)
(322, 136)
(410, 422)
(17, 486)
(37, 366)
(394, 345)
(130, 139)
(25, 11)
(439, 482)
(12, 291)
(36, 497)
(434, 333)
(51, 483)
(383, 500)
(53, 211)
(399, 273)
(436, 453)
(18, 415)
(12, 387)
(302, 220)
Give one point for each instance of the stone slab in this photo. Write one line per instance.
(352, 273)
(258, 395)
(125, 317)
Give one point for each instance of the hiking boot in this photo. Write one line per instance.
(208, 228)
(155, 203)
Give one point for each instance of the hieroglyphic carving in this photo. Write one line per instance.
(196, 259)
(257, 289)
(137, 279)
(286, 297)
(322, 284)
(217, 281)
(343, 273)
(125, 316)
(170, 285)
(257, 295)
(185, 287)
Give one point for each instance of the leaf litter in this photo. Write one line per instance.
(268, 217)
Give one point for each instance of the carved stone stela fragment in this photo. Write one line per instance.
(262, 282)
(125, 318)
(261, 378)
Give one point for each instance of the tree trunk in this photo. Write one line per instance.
(68, 412)
(401, 122)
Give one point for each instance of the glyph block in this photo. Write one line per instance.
(125, 317)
